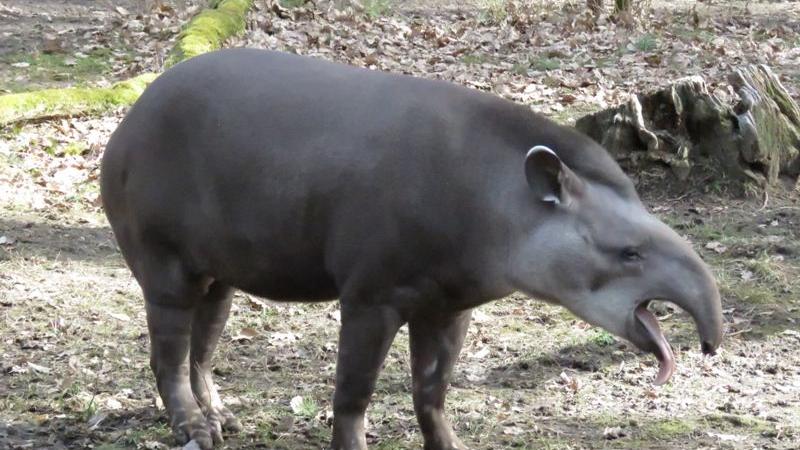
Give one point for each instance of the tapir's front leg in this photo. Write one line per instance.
(435, 339)
(365, 337)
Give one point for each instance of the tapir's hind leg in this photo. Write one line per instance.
(210, 316)
(435, 341)
(172, 295)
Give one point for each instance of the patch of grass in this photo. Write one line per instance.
(157, 431)
(766, 269)
(474, 58)
(670, 428)
(109, 447)
(292, 3)
(646, 43)
(89, 410)
(376, 8)
(492, 11)
(545, 64)
(62, 67)
(749, 292)
(307, 408)
(733, 421)
(693, 34)
(605, 62)
(75, 148)
(602, 337)
(520, 68)
(392, 444)
(571, 113)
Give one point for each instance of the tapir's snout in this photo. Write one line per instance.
(688, 283)
(705, 307)
(710, 327)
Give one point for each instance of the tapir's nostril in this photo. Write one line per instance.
(708, 348)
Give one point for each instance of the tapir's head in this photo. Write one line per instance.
(597, 251)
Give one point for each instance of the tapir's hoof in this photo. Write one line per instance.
(447, 442)
(230, 422)
(192, 445)
(221, 418)
(197, 431)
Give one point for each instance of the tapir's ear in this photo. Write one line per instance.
(546, 175)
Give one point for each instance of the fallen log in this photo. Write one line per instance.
(207, 31)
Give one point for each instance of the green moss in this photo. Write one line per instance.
(75, 148)
(59, 102)
(209, 29)
(206, 32)
(670, 428)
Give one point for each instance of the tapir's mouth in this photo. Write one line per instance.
(661, 349)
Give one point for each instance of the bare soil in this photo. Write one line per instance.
(73, 343)
(59, 43)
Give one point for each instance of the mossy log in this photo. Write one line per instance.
(206, 32)
(752, 134)
(61, 102)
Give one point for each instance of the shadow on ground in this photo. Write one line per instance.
(33, 240)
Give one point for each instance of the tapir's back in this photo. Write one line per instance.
(252, 162)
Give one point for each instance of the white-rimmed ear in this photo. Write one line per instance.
(545, 173)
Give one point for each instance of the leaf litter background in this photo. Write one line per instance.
(74, 347)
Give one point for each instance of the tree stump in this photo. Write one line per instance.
(751, 131)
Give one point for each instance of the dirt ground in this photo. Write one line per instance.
(57, 43)
(73, 344)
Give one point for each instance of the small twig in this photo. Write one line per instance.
(677, 199)
(766, 200)
(746, 330)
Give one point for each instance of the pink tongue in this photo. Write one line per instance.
(666, 359)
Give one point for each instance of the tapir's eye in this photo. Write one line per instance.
(631, 254)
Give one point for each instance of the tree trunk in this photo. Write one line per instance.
(755, 135)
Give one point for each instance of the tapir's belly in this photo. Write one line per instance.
(262, 257)
(271, 273)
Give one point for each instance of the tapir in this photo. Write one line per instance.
(409, 200)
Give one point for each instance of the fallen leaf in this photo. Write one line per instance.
(245, 334)
(296, 403)
(257, 303)
(96, 419)
(717, 247)
(38, 368)
(611, 433)
(121, 317)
